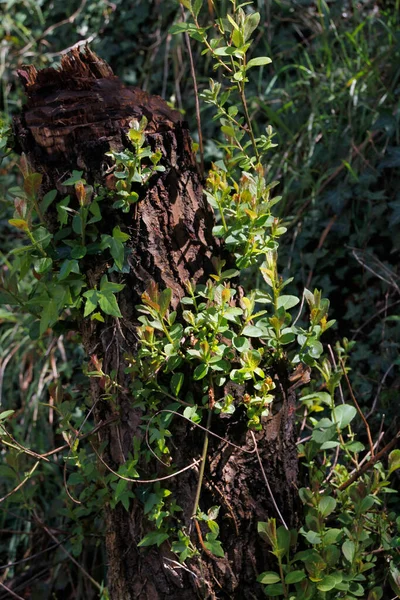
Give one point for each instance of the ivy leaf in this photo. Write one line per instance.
(68, 266)
(75, 178)
(214, 546)
(110, 286)
(153, 538)
(116, 245)
(108, 304)
(62, 210)
(92, 299)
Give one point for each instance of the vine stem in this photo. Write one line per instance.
(211, 401)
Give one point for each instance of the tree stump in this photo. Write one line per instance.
(73, 116)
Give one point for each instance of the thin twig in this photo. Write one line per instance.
(19, 486)
(381, 383)
(382, 310)
(85, 573)
(33, 556)
(173, 412)
(267, 483)
(50, 29)
(369, 464)
(371, 444)
(13, 594)
(191, 466)
(196, 98)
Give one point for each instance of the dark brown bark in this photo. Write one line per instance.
(72, 117)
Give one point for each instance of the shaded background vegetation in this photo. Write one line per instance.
(331, 95)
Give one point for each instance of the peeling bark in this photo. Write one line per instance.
(73, 116)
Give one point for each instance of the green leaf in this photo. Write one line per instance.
(394, 461)
(323, 396)
(241, 343)
(119, 235)
(41, 265)
(164, 301)
(276, 589)
(268, 577)
(176, 383)
(327, 584)
(75, 177)
(250, 24)
(295, 577)
(327, 505)
(252, 331)
(108, 304)
(32, 184)
(62, 210)
(92, 299)
(97, 317)
(110, 286)
(331, 535)
(153, 538)
(190, 412)
(182, 28)
(5, 414)
(258, 62)
(197, 5)
(375, 594)
(78, 252)
(200, 372)
(313, 537)
(47, 200)
(315, 349)
(287, 302)
(49, 316)
(343, 415)
(68, 266)
(214, 546)
(77, 224)
(349, 550)
(228, 130)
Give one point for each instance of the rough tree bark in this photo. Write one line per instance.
(72, 117)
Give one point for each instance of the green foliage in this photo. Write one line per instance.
(322, 94)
